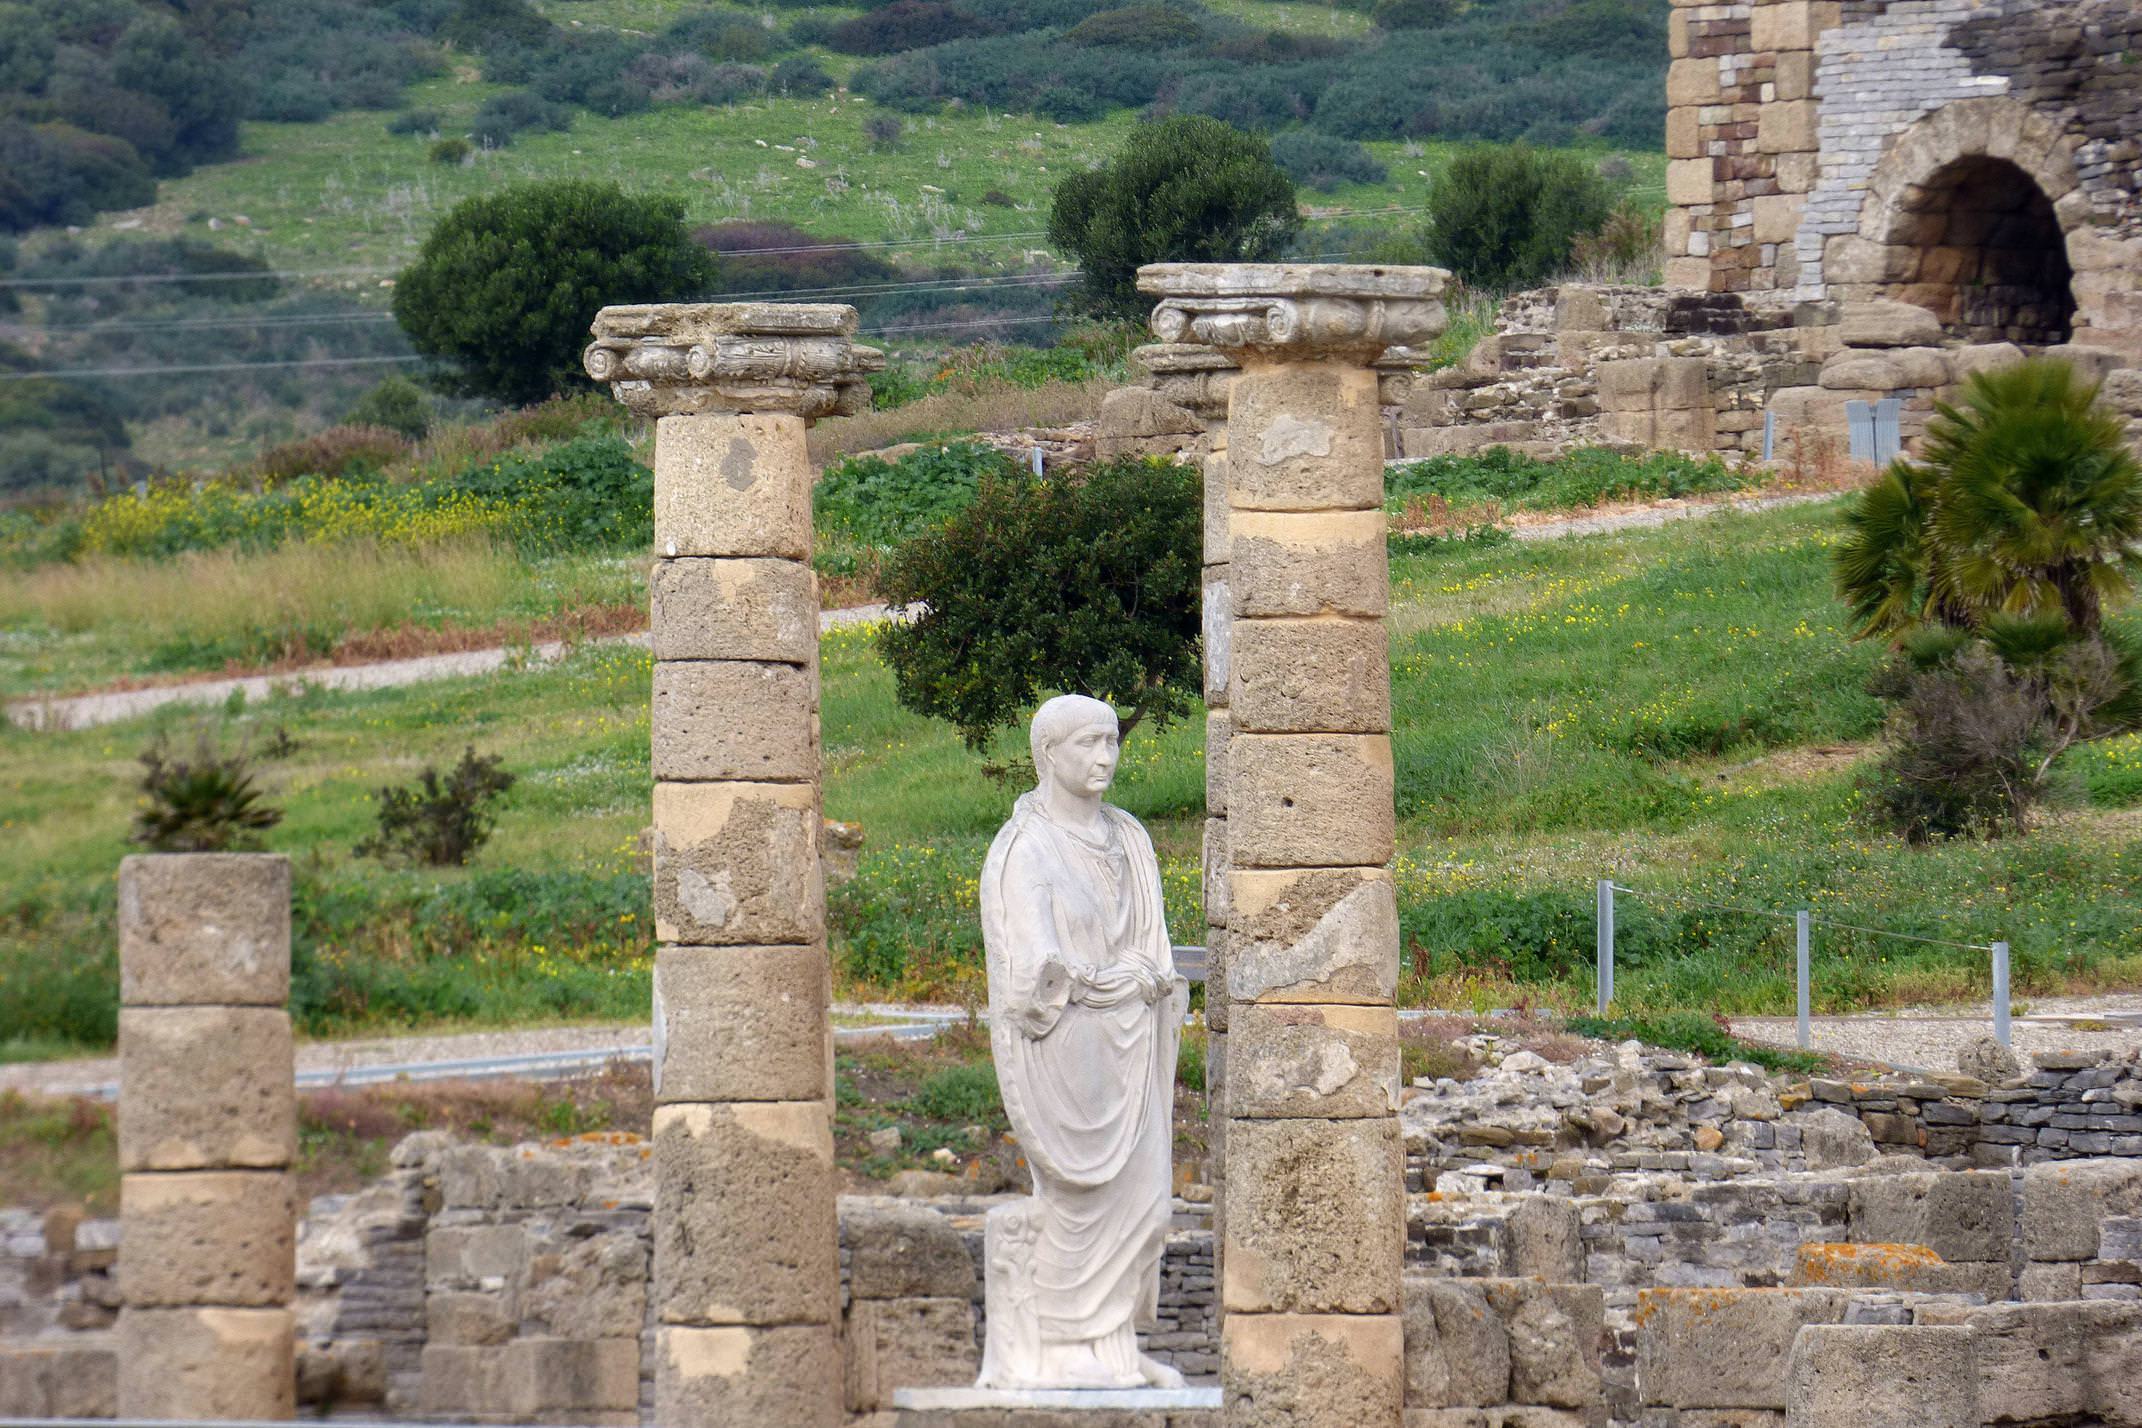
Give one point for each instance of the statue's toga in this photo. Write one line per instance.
(1085, 1015)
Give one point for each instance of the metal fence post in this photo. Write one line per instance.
(1801, 973)
(1606, 945)
(2000, 992)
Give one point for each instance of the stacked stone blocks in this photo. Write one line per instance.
(745, 1242)
(207, 1133)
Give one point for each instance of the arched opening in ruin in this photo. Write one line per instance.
(1992, 261)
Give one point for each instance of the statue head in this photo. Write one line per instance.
(1075, 742)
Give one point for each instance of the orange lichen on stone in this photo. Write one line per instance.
(1864, 1266)
(1698, 1302)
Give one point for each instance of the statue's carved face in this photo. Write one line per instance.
(1084, 761)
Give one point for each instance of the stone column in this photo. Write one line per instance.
(207, 1130)
(1314, 1220)
(746, 1241)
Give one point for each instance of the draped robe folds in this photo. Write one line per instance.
(1087, 1073)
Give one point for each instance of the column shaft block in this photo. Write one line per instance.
(748, 1233)
(1315, 1220)
(1330, 1061)
(738, 863)
(1311, 800)
(1219, 728)
(732, 485)
(726, 1377)
(1323, 675)
(1305, 436)
(742, 1024)
(1313, 935)
(1314, 563)
(735, 720)
(206, 1088)
(200, 928)
(1312, 1370)
(207, 1363)
(208, 1237)
(755, 609)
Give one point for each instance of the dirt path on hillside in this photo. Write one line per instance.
(87, 711)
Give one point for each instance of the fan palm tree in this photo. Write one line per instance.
(2026, 503)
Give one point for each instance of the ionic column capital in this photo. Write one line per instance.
(1295, 311)
(675, 359)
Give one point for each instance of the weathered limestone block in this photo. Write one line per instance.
(1310, 563)
(1546, 1240)
(461, 1318)
(1907, 1268)
(552, 1378)
(1312, 935)
(907, 1343)
(202, 928)
(1690, 181)
(729, 719)
(723, 1377)
(206, 1088)
(470, 1255)
(754, 609)
(1849, 258)
(742, 1024)
(1457, 1347)
(738, 863)
(1331, 1060)
(1791, 24)
(1691, 82)
(1312, 1224)
(464, 1382)
(222, 1237)
(1883, 1376)
(71, 1376)
(903, 1251)
(727, 485)
(1959, 1215)
(1219, 730)
(207, 1363)
(1217, 620)
(2065, 1202)
(1219, 514)
(1852, 371)
(1923, 366)
(1137, 421)
(1983, 357)
(1329, 674)
(1555, 1332)
(2058, 1362)
(1213, 870)
(1305, 437)
(1724, 1348)
(1311, 800)
(1311, 1370)
(749, 1234)
(1884, 323)
(1787, 126)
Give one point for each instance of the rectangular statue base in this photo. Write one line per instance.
(1056, 1408)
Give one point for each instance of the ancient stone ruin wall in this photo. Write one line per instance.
(1974, 157)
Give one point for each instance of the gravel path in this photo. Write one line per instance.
(87, 711)
(1928, 1038)
(1658, 513)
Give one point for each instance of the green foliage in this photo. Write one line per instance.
(802, 76)
(867, 500)
(450, 150)
(1992, 560)
(205, 804)
(507, 284)
(1185, 189)
(1413, 14)
(1190, 1060)
(337, 451)
(1141, 26)
(1322, 162)
(1585, 476)
(396, 404)
(1694, 1032)
(904, 25)
(1507, 217)
(964, 1094)
(517, 112)
(1087, 581)
(436, 822)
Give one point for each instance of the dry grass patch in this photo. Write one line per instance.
(1052, 404)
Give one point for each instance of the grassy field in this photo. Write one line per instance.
(1677, 708)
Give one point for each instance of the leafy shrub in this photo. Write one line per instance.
(802, 76)
(1187, 189)
(1144, 26)
(397, 405)
(998, 198)
(1087, 581)
(449, 150)
(336, 451)
(1963, 742)
(1507, 217)
(904, 25)
(868, 500)
(440, 823)
(729, 84)
(1322, 162)
(1413, 14)
(507, 283)
(883, 130)
(414, 121)
(1625, 249)
(205, 804)
(1585, 476)
(721, 35)
(516, 112)
(963, 1094)
(484, 26)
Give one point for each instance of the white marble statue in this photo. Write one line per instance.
(1085, 1014)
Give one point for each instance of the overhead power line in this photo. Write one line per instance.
(202, 367)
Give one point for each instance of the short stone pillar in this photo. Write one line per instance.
(1314, 1212)
(207, 1132)
(746, 1242)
